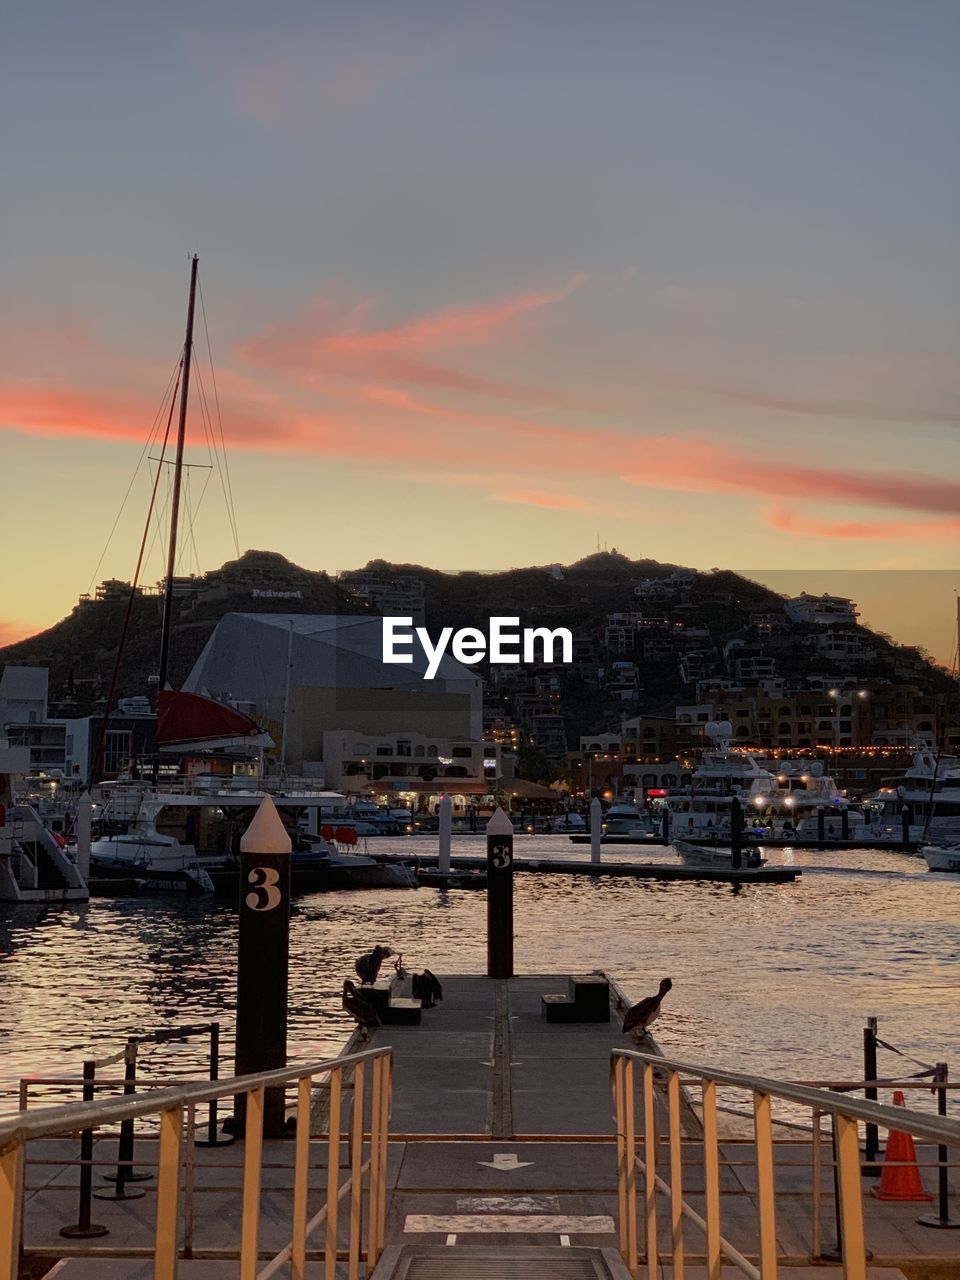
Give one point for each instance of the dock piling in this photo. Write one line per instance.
(263, 959)
(736, 834)
(596, 829)
(871, 1149)
(445, 815)
(942, 1218)
(499, 896)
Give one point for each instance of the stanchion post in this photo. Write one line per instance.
(263, 959)
(871, 1148)
(213, 1138)
(905, 823)
(499, 896)
(84, 1229)
(125, 1171)
(942, 1218)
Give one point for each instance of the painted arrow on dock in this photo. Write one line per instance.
(505, 1161)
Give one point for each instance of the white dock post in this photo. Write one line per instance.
(596, 820)
(445, 812)
(84, 822)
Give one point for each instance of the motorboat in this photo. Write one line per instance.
(569, 822)
(942, 857)
(694, 854)
(626, 819)
(197, 833)
(702, 810)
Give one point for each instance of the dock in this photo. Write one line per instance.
(630, 870)
(502, 1161)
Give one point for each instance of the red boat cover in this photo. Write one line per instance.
(189, 717)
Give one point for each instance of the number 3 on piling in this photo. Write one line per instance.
(265, 894)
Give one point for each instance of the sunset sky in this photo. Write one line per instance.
(486, 283)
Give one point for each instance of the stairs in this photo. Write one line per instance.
(49, 875)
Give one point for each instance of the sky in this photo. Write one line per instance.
(488, 285)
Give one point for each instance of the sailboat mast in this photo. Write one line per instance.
(177, 478)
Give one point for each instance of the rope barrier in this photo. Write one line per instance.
(929, 1068)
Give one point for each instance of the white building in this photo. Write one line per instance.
(822, 610)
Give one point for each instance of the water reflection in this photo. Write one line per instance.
(777, 979)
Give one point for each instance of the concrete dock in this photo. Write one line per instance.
(502, 1162)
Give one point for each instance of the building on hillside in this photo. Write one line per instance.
(823, 611)
(392, 596)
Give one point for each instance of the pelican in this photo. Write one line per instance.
(368, 966)
(639, 1017)
(362, 1010)
(427, 989)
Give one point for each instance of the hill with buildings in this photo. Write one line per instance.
(650, 640)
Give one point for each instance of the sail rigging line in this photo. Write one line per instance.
(154, 428)
(134, 586)
(223, 444)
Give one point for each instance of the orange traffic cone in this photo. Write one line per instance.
(900, 1179)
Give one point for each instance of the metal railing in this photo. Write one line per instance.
(660, 1104)
(367, 1128)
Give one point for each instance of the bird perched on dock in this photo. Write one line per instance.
(639, 1016)
(361, 1009)
(427, 989)
(368, 966)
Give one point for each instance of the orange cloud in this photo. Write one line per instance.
(786, 521)
(534, 498)
(339, 340)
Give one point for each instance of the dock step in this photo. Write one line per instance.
(436, 1262)
(587, 1000)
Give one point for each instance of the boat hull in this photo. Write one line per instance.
(942, 857)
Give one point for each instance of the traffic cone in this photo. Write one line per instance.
(900, 1179)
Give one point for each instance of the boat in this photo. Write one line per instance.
(942, 857)
(702, 810)
(805, 794)
(929, 791)
(569, 821)
(35, 863)
(198, 832)
(694, 854)
(626, 819)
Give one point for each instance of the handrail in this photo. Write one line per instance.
(46, 1122)
(638, 1124)
(930, 1128)
(175, 1105)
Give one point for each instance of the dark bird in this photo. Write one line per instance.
(368, 966)
(362, 1010)
(427, 989)
(639, 1017)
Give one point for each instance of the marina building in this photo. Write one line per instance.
(317, 685)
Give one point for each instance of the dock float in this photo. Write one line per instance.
(629, 870)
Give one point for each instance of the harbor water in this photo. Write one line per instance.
(773, 979)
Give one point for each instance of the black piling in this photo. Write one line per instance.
(263, 957)
(499, 896)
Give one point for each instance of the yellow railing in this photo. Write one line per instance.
(641, 1121)
(363, 1123)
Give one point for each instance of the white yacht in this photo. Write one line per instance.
(930, 790)
(703, 809)
(35, 865)
(626, 819)
(804, 790)
(190, 839)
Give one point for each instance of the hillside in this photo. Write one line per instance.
(717, 607)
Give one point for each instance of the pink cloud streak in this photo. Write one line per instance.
(786, 521)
